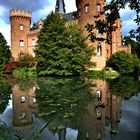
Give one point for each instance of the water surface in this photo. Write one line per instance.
(70, 109)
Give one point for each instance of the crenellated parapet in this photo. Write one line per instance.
(20, 13)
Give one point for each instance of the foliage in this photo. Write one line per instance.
(111, 10)
(124, 86)
(135, 48)
(4, 131)
(123, 62)
(61, 50)
(65, 99)
(102, 74)
(9, 68)
(5, 91)
(34, 26)
(26, 60)
(114, 7)
(24, 72)
(5, 53)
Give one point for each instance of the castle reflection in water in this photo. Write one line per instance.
(101, 115)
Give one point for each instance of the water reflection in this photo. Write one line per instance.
(69, 108)
(24, 104)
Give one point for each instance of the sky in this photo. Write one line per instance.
(41, 8)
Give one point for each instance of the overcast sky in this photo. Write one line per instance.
(41, 8)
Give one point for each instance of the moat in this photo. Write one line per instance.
(70, 109)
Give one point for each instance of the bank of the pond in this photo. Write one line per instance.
(103, 74)
(31, 72)
(24, 72)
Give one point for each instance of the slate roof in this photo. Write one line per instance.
(70, 16)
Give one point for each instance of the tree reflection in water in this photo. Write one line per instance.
(76, 108)
(5, 91)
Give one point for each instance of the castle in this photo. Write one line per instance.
(23, 38)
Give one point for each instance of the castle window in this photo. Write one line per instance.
(33, 42)
(98, 8)
(99, 94)
(79, 13)
(21, 27)
(87, 8)
(22, 99)
(99, 50)
(21, 43)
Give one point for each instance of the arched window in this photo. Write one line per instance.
(99, 94)
(99, 50)
(21, 27)
(98, 8)
(21, 43)
(87, 8)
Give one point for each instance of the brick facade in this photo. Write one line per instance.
(88, 11)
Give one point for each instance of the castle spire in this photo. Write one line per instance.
(60, 6)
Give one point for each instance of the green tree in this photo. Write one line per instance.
(135, 49)
(5, 91)
(123, 62)
(124, 86)
(61, 50)
(5, 53)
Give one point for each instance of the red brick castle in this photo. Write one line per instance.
(23, 38)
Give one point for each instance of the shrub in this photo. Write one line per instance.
(8, 68)
(26, 60)
(24, 72)
(123, 62)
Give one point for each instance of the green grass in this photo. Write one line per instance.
(103, 74)
(24, 72)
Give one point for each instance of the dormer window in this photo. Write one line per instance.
(21, 27)
(98, 8)
(87, 8)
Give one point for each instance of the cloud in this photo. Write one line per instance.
(128, 23)
(70, 6)
(5, 30)
(25, 4)
(41, 8)
(31, 5)
(127, 26)
(43, 12)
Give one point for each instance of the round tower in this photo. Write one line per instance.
(89, 11)
(20, 26)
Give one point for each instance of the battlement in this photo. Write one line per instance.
(20, 12)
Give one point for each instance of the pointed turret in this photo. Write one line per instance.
(60, 6)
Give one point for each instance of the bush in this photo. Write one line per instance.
(26, 60)
(123, 62)
(24, 72)
(8, 68)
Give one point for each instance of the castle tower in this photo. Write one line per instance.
(20, 26)
(88, 12)
(60, 6)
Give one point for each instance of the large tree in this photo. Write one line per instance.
(5, 52)
(135, 48)
(123, 62)
(112, 10)
(61, 50)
